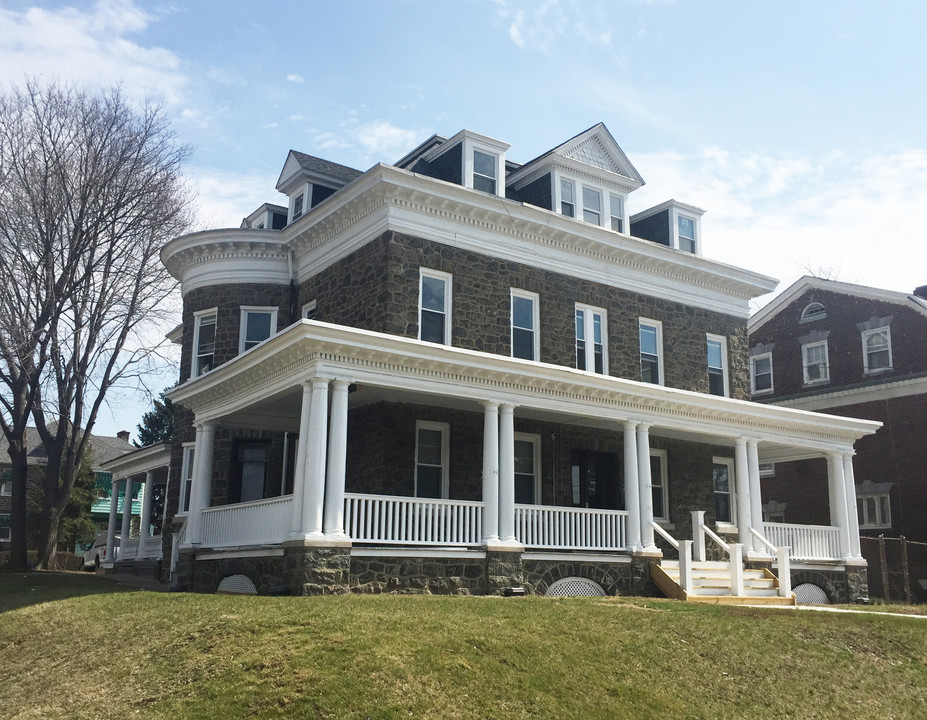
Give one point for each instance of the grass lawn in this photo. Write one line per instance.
(82, 647)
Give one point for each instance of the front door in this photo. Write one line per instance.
(595, 480)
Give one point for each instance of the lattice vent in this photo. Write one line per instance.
(810, 594)
(573, 586)
(236, 585)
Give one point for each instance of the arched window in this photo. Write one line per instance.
(813, 311)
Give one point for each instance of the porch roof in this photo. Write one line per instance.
(262, 387)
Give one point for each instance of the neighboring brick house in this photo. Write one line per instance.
(860, 352)
(463, 374)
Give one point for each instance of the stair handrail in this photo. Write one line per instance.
(666, 536)
(177, 539)
(685, 556)
(735, 551)
(782, 562)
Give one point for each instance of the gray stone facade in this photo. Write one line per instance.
(841, 586)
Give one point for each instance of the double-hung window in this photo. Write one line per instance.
(722, 475)
(617, 213)
(592, 206)
(659, 485)
(686, 229)
(431, 459)
(761, 377)
(877, 350)
(874, 510)
(251, 471)
(484, 172)
(717, 365)
(651, 339)
(434, 318)
(567, 198)
(591, 348)
(186, 479)
(204, 342)
(310, 310)
(257, 324)
(814, 362)
(298, 206)
(525, 343)
(527, 469)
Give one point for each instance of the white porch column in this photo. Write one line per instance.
(490, 473)
(337, 460)
(836, 480)
(126, 519)
(756, 494)
(144, 527)
(111, 528)
(314, 476)
(632, 501)
(645, 487)
(299, 469)
(507, 474)
(742, 481)
(850, 479)
(201, 483)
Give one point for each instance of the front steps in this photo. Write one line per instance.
(711, 583)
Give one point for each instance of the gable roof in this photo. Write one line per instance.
(104, 448)
(594, 147)
(803, 284)
(315, 168)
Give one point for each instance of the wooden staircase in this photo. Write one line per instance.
(711, 583)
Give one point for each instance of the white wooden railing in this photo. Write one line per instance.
(807, 542)
(260, 522)
(567, 528)
(783, 563)
(394, 520)
(735, 551)
(128, 548)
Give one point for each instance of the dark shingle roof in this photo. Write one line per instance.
(319, 166)
(104, 448)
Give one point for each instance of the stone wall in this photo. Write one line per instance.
(849, 586)
(425, 575)
(615, 578)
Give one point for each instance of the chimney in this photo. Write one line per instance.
(123, 435)
(921, 291)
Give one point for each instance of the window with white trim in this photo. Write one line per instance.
(309, 310)
(525, 336)
(686, 233)
(616, 211)
(257, 325)
(813, 311)
(298, 206)
(651, 341)
(591, 342)
(717, 365)
(874, 510)
(186, 479)
(204, 341)
(567, 198)
(527, 469)
(592, 206)
(484, 172)
(434, 316)
(877, 350)
(761, 376)
(659, 484)
(722, 476)
(815, 366)
(431, 459)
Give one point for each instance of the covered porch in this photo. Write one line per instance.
(334, 394)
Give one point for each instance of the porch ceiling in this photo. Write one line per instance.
(263, 387)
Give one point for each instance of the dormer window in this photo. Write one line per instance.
(567, 202)
(686, 228)
(617, 213)
(592, 206)
(298, 206)
(484, 172)
(813, 311)
(673, 224)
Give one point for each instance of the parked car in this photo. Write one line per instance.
(96, 554)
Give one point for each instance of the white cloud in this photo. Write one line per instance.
(294, 78)
(226, 197)
(531, 26)
(89, 46)
(382, 140)
(784, 215)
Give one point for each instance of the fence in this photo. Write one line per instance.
(897, 568)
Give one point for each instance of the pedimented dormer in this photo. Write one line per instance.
(307, 180)
(469, 159)
(588, 177)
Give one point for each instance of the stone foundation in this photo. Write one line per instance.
(841, 586)
(317, 570)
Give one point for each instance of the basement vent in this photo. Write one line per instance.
(810, 594)
(236, 585)
(573, 586)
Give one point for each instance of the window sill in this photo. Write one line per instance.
(879, 371)
(816, 383)
(762, 392)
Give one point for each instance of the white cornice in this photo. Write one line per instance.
(308, 348)
(858, 396)
(803, 284)
(138, 461)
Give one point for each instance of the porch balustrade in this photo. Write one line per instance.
(261, 522)
(807, 542)
(393, 520)
(567, 528)
(128, 548)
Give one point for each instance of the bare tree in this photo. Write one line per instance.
(90, 190)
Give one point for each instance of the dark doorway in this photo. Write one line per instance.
(595, 480)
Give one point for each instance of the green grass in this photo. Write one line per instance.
(108, 652)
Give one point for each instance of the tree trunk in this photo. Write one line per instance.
(18, 545)
(48, 543)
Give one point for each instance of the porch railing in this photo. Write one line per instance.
(128, 548)
(567, 528)
(394, 520)
(807, 542)
(260, 522)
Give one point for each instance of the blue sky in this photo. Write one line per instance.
(800, 127)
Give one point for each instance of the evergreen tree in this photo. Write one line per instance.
(158, 423)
